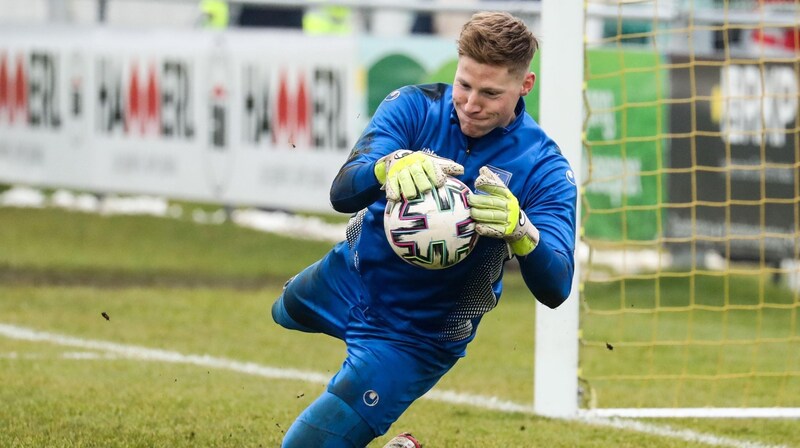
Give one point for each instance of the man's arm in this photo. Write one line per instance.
(380, 160)
(392, 127)
(547, 272)
(402, 173)
(355, 186)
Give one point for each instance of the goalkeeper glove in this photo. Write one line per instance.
(409, 173)
(497, 214)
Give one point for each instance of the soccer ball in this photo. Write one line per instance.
(433, 230)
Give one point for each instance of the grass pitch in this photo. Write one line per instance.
(206, 290)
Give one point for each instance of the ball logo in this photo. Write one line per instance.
(433, 230)
(393, 95)
(371, 398)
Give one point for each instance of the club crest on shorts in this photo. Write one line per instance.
(371, 398)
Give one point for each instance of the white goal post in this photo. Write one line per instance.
(560, 112)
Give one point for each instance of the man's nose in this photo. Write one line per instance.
(473, 104)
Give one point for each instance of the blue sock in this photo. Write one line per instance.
(328, 422)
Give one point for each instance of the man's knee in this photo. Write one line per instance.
(328, 422)
(282, 317)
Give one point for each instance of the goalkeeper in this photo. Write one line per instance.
(406, 326)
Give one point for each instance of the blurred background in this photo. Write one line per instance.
(228, 115)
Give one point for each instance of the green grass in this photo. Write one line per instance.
(206, 289)
(717, 340)
(133, 403)
(51, 240)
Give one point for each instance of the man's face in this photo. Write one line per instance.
(485, 95)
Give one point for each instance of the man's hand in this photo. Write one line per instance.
(497, 214)
(409, 173)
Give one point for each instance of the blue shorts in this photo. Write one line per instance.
(384, 372)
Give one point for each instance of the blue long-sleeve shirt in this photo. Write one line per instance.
(449, 303)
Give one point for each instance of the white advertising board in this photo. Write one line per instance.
(240, 117)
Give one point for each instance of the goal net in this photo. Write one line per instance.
(690, 289)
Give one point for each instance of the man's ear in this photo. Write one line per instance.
(527, 83)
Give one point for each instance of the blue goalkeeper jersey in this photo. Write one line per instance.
(446, 305)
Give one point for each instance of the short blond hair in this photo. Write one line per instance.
(500, 39)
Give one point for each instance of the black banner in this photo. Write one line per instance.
(733, 180)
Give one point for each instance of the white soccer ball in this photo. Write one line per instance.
(434, 230)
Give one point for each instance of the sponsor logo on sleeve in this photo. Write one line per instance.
(570, 175)
(392, 96)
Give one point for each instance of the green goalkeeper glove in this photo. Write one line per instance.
(409, 173)
(497, 214)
